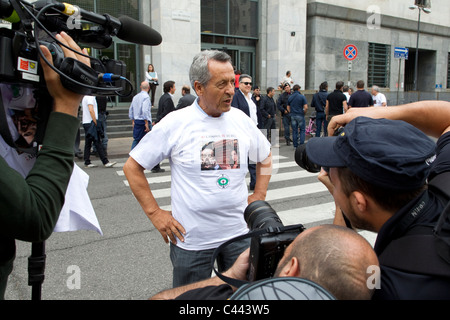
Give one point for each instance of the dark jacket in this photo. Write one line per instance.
(319, 101)
(268, 107)
(185, 101)
(282, 103)
(240, 102)
(399, 280)
(165, 106)
(29, 209)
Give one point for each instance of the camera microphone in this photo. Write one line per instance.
(124, 27)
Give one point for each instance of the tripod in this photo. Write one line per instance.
(36, 269)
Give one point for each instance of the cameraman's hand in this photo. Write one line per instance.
(240, 267)
(65, 101)
(167, 226)
(325, 179)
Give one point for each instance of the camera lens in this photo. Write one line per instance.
(303, 161)
(260, 215)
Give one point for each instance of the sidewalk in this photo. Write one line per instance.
(117, 147)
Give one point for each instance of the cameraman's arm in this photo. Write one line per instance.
(432, 117)
(237, 271)
(30, 207)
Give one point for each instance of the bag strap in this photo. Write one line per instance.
(235, 282)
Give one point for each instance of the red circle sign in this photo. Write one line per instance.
(350, 52)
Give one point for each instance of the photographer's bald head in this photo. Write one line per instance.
(337, 258)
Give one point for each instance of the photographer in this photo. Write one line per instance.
(389, 178)
(333, 257)
(29, 208)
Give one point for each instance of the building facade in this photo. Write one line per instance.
(266, 38)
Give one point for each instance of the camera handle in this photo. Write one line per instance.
(235, 282)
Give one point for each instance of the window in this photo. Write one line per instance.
(379, 65)
(237, 18)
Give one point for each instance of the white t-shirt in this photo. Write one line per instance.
(379, 99)
(87, 100)
(209, 161)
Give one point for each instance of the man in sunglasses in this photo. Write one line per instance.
(243, 101)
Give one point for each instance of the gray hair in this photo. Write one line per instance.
(376, 88)
(199, 69)
(243, 76)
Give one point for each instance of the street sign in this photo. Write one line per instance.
(350, 52)
(401, 53)
(350, 65)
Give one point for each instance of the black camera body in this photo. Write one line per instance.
(20, 56)
(267, 249)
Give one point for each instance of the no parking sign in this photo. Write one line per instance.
(350, 52)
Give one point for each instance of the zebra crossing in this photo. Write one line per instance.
(295, 194)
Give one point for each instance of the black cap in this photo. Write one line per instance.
(390, 154)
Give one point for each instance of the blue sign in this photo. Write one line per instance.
(401, 53)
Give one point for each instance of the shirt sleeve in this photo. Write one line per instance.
(153, 148)
(29, 208)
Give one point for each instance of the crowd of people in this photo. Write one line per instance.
(384, 172)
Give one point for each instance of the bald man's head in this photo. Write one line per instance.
(334, 257)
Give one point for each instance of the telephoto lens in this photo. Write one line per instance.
(267, 249)
(260, 215)
(303, 161)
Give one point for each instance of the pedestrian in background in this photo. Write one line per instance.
(93, 133)
(140, 114)
(187, 98)
(336, 102)
(282, 104)
(361, 98)
(319, 103)
(297, 107)
(152, 78)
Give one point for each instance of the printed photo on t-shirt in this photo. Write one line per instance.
(21, 107)
(220, 155)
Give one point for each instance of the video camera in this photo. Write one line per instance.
(20, 52)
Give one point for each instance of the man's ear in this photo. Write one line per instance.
(198, 88)
(359, 201)
(291, 269)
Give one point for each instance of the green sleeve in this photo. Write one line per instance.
(29, 208)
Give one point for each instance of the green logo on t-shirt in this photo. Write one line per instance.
(223, 182)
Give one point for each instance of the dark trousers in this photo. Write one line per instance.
(193, 266)
(138, 132)
(152, 92)
(89, 141)
(321, 119)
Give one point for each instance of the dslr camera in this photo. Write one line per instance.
(269, 239)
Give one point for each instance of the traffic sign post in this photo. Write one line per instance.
(350, 53)
(402, 54)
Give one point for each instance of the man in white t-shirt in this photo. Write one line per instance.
(208, 145)
(379, 99)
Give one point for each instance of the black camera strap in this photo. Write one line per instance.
(235, 282)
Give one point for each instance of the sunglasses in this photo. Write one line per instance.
(247, 83)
